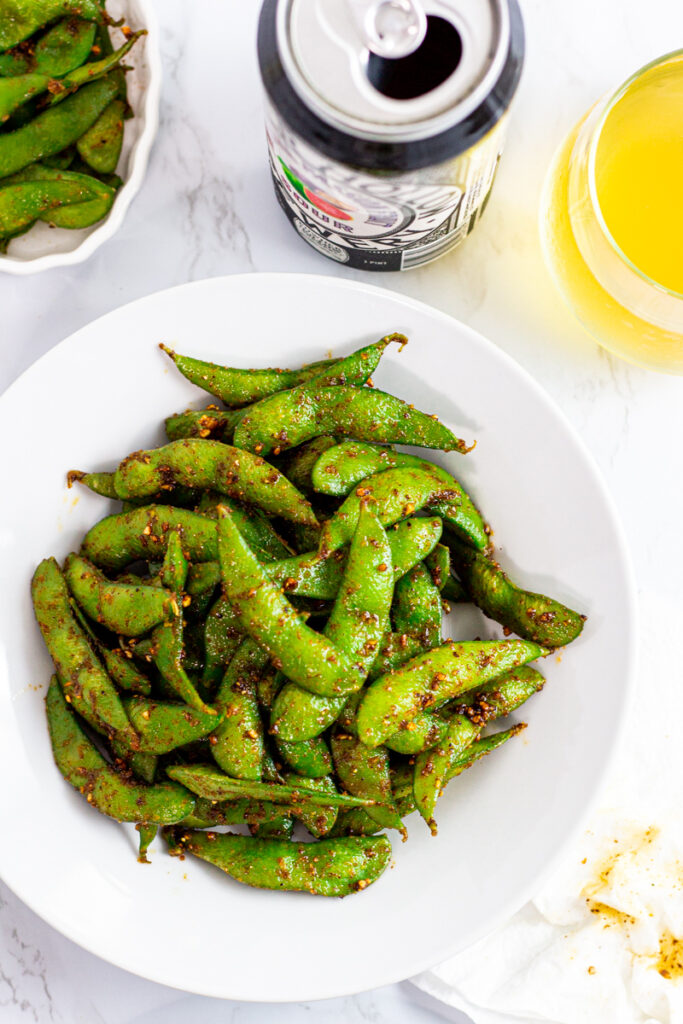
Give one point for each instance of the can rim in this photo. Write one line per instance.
(380, 154)
(405, 132)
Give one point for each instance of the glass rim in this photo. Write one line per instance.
(596, 134)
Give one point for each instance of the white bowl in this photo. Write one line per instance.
(43, 248)
(104, 392)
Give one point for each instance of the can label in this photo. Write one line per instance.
(380, 220)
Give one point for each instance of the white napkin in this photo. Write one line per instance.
(602, 943)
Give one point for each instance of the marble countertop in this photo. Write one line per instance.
(206, 208)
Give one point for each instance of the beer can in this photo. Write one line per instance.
(386, 162)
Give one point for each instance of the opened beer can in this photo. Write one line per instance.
(385, 120)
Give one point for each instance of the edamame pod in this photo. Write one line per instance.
(85, 681)
(432, 678)
(292, 417)
(310, 758)
(318, 820)
(500, 697)
(265, 614)
(216, 466)
(397, 494)
(104, 788)
(62, 48)
(22, 204)
(532, 616)
(416, 609)
(237, 744)
(423, 732)
(162, 726)
(432, 766)
(341, 468)
(100, 146)
(309, 575)
(213, 422)
(55, 128)
(166, 650)
(332, 867)
(356, 626)
(148, 834)
(222, 637)
(209, 782)
(237, 387)
(174, 568)
(300, 461)
(365, 773)
(124, 609)
(142, 533)
(21, 18)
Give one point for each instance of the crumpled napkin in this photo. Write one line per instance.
(602, 943)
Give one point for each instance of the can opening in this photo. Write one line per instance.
(435, 59)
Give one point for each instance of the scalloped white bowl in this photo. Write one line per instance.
(43, 248)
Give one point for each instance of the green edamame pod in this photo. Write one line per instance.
(118, 663)
(203, 579)
(209, 814)
(100, 146)
(500, 697)
(16, 91)
(416, 609)
(209, 782)
(341, 468)
(532, 616)
(266, 615)
(332, 867)
(403, 782)
(85, 681)
(356, 626)
(438, 564)
(309, 575)
(281, 827)
(425, 731)
(55, 128)
(268, 686)
(166, 650)
(431, 766)
(104, 788)
(142, 765)
(21, 18)
(124, 609)
(218, 424)
(318, 820)
(310, 758)
(148, 834)
(237, 744)
(123, 672)
(237, 387)
(365, 772)
(256, 528)
(395, 650)
(142, 533)
(175, 567)
(432, 678)
(26, 202)
(292, 417)
(162, 726)
(354, 821)
(397, 494)
(62, 48)
(222, 637)
(300, 461)
(219, 467)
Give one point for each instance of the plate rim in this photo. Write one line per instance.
(631, 623)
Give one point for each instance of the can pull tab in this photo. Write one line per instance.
(389, 28)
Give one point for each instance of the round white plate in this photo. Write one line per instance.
(103, 393)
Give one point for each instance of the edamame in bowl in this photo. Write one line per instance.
(225, 513)
(79, 103)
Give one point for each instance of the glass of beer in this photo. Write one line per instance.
(611, 218)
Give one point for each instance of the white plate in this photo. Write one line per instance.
(43, 248)
(103, 393)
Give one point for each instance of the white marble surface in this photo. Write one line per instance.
(206, 208)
